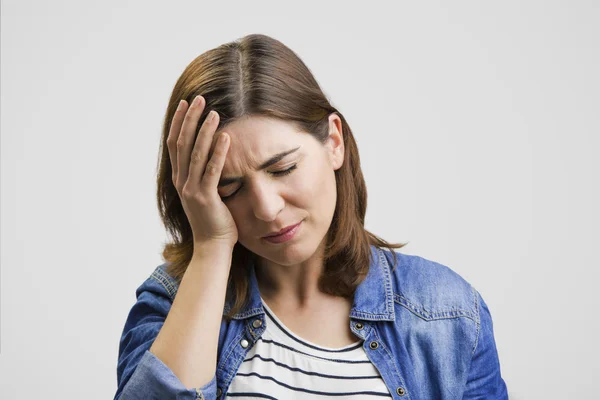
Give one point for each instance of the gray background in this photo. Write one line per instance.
(477, 124)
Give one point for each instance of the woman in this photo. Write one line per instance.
(273, 288)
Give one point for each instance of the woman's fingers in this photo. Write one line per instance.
(214, 166)
(201, 150)
(174, 132)
(192, 163)
(185, 143)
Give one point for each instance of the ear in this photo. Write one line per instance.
(335, 141)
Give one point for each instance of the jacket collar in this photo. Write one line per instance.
(373, 299)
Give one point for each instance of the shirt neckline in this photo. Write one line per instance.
(305, 342)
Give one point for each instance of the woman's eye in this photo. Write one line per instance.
(276, 173)
(285, 172)
(230, 196)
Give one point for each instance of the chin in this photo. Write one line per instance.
(284, 254)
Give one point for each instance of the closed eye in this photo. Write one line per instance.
(285, 172)
(276, 173)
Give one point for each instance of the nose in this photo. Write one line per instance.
(265, 200)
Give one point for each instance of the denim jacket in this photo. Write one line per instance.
(426, 330)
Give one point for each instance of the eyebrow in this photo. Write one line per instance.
(266, 164)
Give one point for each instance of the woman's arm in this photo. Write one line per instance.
(485, 381)
(170, 351)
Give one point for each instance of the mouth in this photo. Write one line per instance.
(283, 231)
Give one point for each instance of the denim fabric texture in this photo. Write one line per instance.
(427, 331)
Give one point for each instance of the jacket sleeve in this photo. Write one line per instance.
(484, 380)
(140, 374)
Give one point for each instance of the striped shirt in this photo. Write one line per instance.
(281, 365)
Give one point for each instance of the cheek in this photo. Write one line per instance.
(314, 186)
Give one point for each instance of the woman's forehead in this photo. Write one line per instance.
(260, 135)
(255, 140)
(255, 128)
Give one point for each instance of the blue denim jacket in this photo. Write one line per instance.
(427, 331)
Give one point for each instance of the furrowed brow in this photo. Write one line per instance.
(266, 164)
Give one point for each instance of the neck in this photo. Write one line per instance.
(291, 286)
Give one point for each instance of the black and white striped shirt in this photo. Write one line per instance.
(281, 365)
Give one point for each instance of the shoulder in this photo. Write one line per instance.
(159, 283)
(429, 289)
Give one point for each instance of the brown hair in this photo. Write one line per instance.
(258, 75)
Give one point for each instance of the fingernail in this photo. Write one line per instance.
(180, 105)
(197, 100)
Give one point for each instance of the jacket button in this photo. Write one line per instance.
(401, 391)
(219, 391)
(373, 345)
(359, 326)
(257, 323)
(244, 343)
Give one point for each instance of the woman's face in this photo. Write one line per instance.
(300, 186)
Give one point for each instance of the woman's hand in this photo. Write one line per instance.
(195, 176)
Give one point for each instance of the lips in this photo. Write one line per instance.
(284, 230)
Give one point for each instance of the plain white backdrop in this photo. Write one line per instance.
(477, 123)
